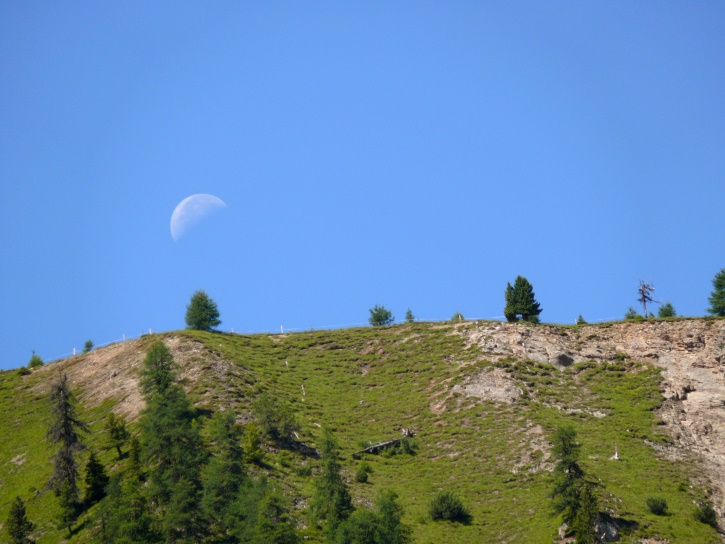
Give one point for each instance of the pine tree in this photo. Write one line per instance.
(68, 504)
(331, 501)
(202, 313)
(116, 432)
(253, 452)
(125, 516)
(586, 516)
(134, 459)
(521, 301)
(224, 477)
(96, 480)
(409, 317)
(391, 528)
(717, 298)
(172, 447)
(17, 525)
(568, 475)
(64, 430)
(273, 524)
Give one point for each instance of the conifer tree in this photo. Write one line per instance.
(64, 430)
(202, 313)
(521, 301)
(134, 459)
(67, 501)
(409, 317)
(172, 447)
(17, 525)
(116, 432)
(717, 297)
(224, 476)
(125, 517)
(96, 480)
(331, 501)
(273, 524)
(568, 475)
(586, 517)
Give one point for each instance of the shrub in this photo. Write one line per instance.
(35, 361)
(446, 506)
(631, 313)
(24, 371)
(380, 316)
(361, 476)
(706, 514)
(88, 346)
(657, 506)
(458, 316)
(580, 320)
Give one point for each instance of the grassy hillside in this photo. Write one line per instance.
(368, 383)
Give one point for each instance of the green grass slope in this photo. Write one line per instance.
(366, 384)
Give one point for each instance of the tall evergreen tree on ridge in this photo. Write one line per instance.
(521, 301)
(202, 313)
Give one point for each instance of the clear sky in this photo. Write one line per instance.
(411, 154)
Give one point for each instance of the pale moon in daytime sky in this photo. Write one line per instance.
(191, 210)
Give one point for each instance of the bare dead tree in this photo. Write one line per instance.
(644, 290)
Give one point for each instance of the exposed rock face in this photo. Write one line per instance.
(691, 354)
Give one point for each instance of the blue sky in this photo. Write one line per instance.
(411, 154)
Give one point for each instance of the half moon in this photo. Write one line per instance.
(191, 210)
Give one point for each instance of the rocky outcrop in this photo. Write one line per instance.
(691, 353)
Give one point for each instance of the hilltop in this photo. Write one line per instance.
(483, 399)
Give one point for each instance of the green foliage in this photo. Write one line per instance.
(252, 443)
(409, 317)
(446, 506)
(568, 475)
(202, 313)
(64, 430)
(273, 524)
(631, 314)
(586, 517)
(380, 316)
(580, 320)
(381, 526)
(275, 417)
(172, 448)
(224, 477)
(361, 474)
(35, 361)
(96, 480)
(159, 370)
(706, 514)
(521, 302)
(17, 524)
(88, 346)
(67, 507)
(24, 371)
(331, 501)
(657, 505)
(458, 316)
(125, 515)
(134, 459)
(666, 310)
(116, 433)
(717, 297)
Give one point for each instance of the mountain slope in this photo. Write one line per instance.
(483, 399)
